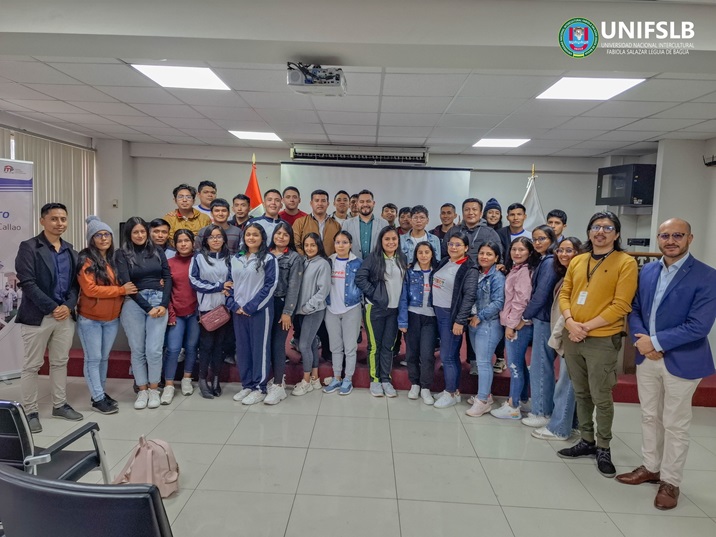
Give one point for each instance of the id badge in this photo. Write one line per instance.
(582, 299)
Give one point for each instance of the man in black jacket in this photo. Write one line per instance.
(474, 226)
(47, 272)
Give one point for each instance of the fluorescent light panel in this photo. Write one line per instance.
(589, 89)
(248, 135)
(169, 76)
(501, 142)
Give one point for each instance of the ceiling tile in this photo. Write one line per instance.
(159, 131)
(224, 112)
(411, 132)
(284, 116)
(48, 107)
(634, 109)
(397, 141)
(10, 106)
(469, 121)
(409, 105)
(139, 121)
(462, 135)
(254, 79)
(308, 128)
(206, 133)
(523, 132)
(229, 141)
(361, 130)
(625, 136)
(690, 111)
(706, 126)
(188, 140)
(409, 120)
(190, 123)
(89, 119)
(240, 65)
(168, 110)
(667, 90)
(596, 123)
(684, 135)
(64, 59)
(140, 95)
(604, 145)
(557, 108)
(529, 122)
(568, 134)
(269, 145)
(102, 74)
(348, 103)
(208, 97)
(301, 138)
(687, 76)
(662, 125)
(506, 87)
(116, 129)
(108, 109)
(33, 73)
(66, 92)
(461, 105)
(18, 91)
(341, 139)
(578, 153)
(422, 85)
(243, 125)
(141, 138)
(427, 70)
(362, 83)
(710, 98)
(348, 118)
(527, 150)
(293, 101)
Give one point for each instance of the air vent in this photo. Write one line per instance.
(355, 153)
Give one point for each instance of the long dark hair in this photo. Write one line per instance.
(98, 263)
(263, 247)
(288, 229)
(544, 228)
(560, 269)
(319, 243)
(533, 258)
(492, 245)
(179, 232)
(378, 256)
(433, 260)
(205, 250)
(130, 249)
(588, 247)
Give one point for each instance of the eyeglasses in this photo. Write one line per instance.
(565, 251)
(540, 239)
(215, 238)
(418, 218)
(456, 245)
(676, 236)
(102, 236)
(185, 197)
(606, 229)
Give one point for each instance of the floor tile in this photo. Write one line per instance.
(511, 443)
(615, 497)
(322, 516)
(627, 418)
(128, 424)
(402, 408)
(698, 486)
(442, 478)
(225, 403)
(428, 519)
(363, 434)
(703, 422)
(282, 430)
(623, 454)
(369, 474)
(430, 438)
(174, 504)
(227, 514)
(193, 460)
(709, 442)
(486, 419)
(525, 484)
(255, 469)
(359, 404)
(306, 404)
(663, 526)
(530, 522)
(699, 457)
(194, 426)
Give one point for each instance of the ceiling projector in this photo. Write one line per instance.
(316, 80)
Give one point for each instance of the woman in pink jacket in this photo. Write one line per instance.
(518, 334)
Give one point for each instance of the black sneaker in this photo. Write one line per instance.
(604, 462)
(580, 449)
(67, 412)
(110, 400)
(33, 420)
(104, 407)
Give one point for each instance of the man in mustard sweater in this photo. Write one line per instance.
(595, 299)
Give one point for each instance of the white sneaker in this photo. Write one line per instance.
(276, 394)
(478, 408)
(142, 399)
(187, 388)
(414, 392)
(167, 395)
(543, 433)
(447, 399)
(316, 383)
(302, 388)
(535, 421)
(427, 396)
(254, 397)
(242, 394)
(506, 412)
(154, 401)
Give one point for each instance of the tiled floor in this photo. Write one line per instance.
(325, 465)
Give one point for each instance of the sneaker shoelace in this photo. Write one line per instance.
(604, 456)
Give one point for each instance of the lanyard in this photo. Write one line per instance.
(590, 273)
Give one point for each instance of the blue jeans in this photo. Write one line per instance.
(145, 335)
(185, 333)
(516, 363)
(484, 340)
(97, 338)
(449, 349)
(564, 417)
(542, 370)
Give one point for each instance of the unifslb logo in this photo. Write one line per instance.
(578, 37)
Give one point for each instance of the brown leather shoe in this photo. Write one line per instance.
(638, 476)
(667, 497)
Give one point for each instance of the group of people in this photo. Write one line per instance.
(314, 273)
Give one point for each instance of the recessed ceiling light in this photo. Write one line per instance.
(248, 135)
(169, 76)
(589, 89)
(501, 142)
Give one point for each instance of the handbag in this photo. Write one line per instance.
(216, 318)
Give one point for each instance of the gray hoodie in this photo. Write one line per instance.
(315, 286)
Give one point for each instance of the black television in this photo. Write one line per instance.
(629, 184)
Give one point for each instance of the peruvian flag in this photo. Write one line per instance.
(254, 192)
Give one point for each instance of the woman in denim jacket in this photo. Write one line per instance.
(416, 318)
(485, 328)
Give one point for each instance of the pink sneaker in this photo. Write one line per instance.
(479, 408)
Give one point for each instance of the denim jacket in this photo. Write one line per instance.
(490, 295)
(353, 295)
(412, 295)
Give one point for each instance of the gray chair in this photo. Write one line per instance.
(31, 506)
(18, 450)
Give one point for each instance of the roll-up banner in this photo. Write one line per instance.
(15, 227)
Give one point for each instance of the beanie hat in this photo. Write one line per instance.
(492, 203)
(94, 226)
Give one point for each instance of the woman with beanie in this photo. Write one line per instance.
(493, 214)
(98, 307)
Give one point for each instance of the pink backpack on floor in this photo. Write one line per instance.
(152, 461)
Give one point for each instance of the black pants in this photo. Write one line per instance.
(211, 350)
(381, 326)
(470, 350)
(420, 344)
(278, 341)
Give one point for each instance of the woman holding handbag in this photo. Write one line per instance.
(208, 274)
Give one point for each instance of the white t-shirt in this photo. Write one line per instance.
(523, 233)
(338, 288)
(424, 309)
(443, 284)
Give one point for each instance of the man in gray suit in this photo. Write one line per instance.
(365, 227)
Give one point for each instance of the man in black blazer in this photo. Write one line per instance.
(46, 269)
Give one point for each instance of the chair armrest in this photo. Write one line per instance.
(70, 438)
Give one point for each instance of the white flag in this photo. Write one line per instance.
(535, 214)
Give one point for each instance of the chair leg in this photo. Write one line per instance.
(103, 466)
